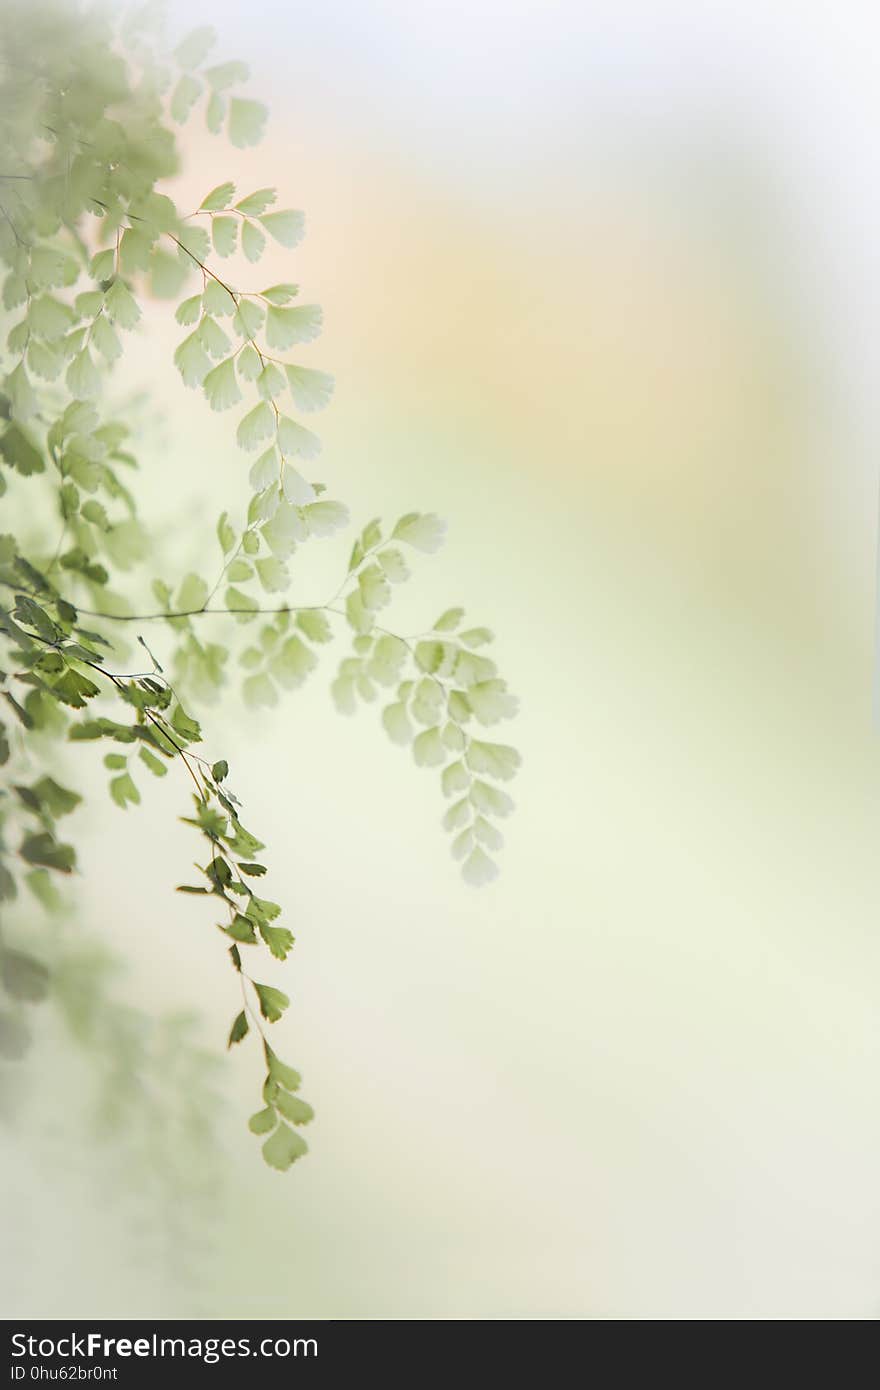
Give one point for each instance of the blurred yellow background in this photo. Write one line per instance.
(597, 288)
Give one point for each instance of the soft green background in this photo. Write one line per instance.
(597, 288)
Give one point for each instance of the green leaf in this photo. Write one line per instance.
(255, 204)
(295, 441)
(185, 726)
(220, 770)
(242, 842)
(258, 424)
(278, 939)
(270, 382)
(263, 1121)
(186, 93)
(293, 662)
(192, 50)
(50, 267)
(252, 241)
(74, 689)
(192, 594)
(124, 791)
(50, 318)
(192, 361)
(40, 883)
(259, 692)
(57, 800)
(476, 637)
(311, 389)
(298, 493)
(134, 251)
(105, 339)
(490, 701)
(241, 929)
(219, 197)
(458, 816)
(225, 75)
(239, 572)
(299, 1112)
(225, 533)
(273, 574)
(478, 868)
(286, 227)
(18, 451)
(240, 602)
(284, 327)
(280, 294)
(273, 1001)
(247, 323)
(427, 703)
(490, 799)
(43, 849)
(397, 724)
(155, 765)
(23, 977)
(394, 565)
(284, 1147)
(315, 625)
(120, 305)
(43, 360)
(428, 749)
(214, 112)
(423, 530)
(449, 620)
(280, 1073)
(374, 588)
(246, 122)
(83, 377)
(239, 1029)
(189, 311)
(221, 387)
(495, 759)
(224, 234)
(212, 337)
(455, 778)
(360, 617)
(326, 517)
(217, 299)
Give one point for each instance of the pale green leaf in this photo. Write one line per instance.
(299, 324)
(212, 337)
(326, 517)
(252, 241)
(285, 227)
(192, 361)
(224, 234)
(258, 424)
(293, 662)
(221, 387)
(495, 759)
(120, 305)
(284, 1147)
(219, 197)
(428, 749)
(423, 530)
(246, 121)
(311, 389)
(478, 868)
(397, 723)
(259, 691)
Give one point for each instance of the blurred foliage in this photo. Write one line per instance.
(88, 105)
